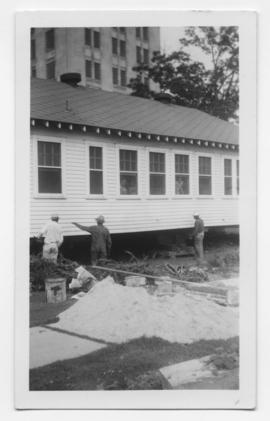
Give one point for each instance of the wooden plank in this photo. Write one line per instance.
(161, 278)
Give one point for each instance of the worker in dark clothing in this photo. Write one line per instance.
(198, 235)
(101, 239)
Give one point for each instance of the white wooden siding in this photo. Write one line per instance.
(123, 214)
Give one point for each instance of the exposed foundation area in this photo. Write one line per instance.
(144, 243)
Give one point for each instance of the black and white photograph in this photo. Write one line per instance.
(134, 230)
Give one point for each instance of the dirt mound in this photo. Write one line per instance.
(115, 313)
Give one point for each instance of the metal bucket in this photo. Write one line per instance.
(55, 289)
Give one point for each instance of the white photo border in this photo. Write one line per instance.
(245, 397)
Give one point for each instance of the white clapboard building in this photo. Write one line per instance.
(145, 165)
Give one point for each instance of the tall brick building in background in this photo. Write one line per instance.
(103, 56)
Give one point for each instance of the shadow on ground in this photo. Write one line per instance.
(129, 366)
(45, 313)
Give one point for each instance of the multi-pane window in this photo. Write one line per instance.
(33, 49)
(145, 56)
(122, 30)
(88, 68)
(123, 77)
(122, 48)
(138, 54)
(96, 39)
(49, 40)
(114, 46)
(157, 173)
(33, 71)
(95, 170)
(145, 34)
(237, 177)
(128, 172)
(227, 176)
(50, 69)
(138, 32)
(49, 167)
(88, 37)
(97, 71)
(115, 75)
(205, 175)
(181, 174)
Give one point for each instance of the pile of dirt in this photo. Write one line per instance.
(117, 314)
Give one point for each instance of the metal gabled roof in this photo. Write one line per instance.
(59, 102)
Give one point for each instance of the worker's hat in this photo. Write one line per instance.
(196, 214)
(100, 218)
(54, 216)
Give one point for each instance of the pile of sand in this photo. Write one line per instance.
(115, 313)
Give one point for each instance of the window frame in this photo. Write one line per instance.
(47, 63)
(139, 187)
(232, 176)
(138, 32)
(122, 42)
(167, 192)
(33, 71)
(91, 68)
(33, 49)
(37, 194)
(94, 71)
(94, 40)
(234, 194)
(120, 81)
(182, 196)
(237, 176)
(96, 144)
(49, 50)
(145, 31)
(90, 37)
(117, 73)
(205, 196)
(117, 44)
(145, 52)
(138, 54)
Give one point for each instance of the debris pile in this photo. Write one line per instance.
(41, 269)
(191, 274)
(116, 313)
(82, 280)
(135, 266)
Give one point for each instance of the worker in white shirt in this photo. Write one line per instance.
(53, 238)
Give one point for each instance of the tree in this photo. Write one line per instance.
(213, 90)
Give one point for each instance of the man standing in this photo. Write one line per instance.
(53, 238)
(101, 239)
(198, 235)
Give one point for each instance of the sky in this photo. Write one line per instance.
(170, 42)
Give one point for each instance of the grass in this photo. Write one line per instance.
(132, 365)
(44, 313)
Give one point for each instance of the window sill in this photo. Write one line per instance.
(182, 196)
(128, 197)
(95, 197)
(205, 196)
(50, 196)
(229, 197)
(158, 197)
